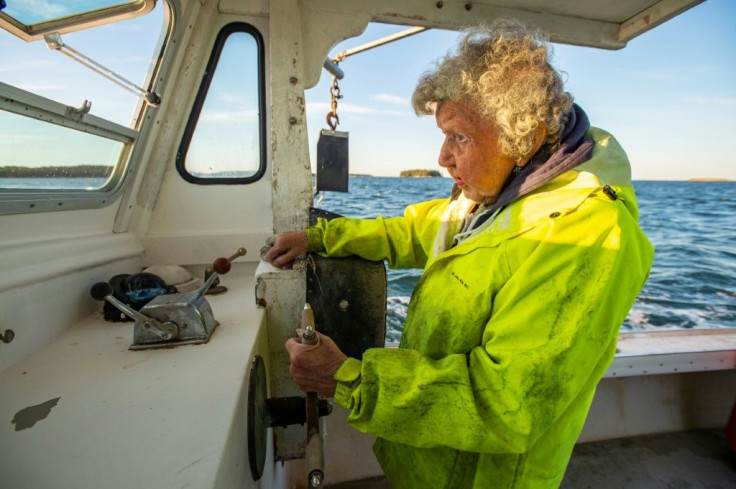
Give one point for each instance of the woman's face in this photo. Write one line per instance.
(471, 152)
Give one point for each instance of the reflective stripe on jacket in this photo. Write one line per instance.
(507, 333)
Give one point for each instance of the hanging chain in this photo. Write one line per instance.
(332, 119)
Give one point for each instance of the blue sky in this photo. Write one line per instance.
(669, 97)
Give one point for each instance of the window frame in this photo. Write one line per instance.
(24, 103)
(84, 20)
(201, 96)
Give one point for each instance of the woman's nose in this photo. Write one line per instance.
(445, 158)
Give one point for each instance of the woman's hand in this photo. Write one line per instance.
(313, 367)
(285, 247)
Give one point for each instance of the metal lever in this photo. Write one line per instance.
(103, 291)
(221, 266)
(315, 448)
(206, 285)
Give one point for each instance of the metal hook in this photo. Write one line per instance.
(332, 120)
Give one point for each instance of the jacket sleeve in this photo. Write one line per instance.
(405, 242)
(550, 337)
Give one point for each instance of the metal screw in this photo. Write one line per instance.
(8, 336)
(315, 479)
(292, 120)
(293, 80)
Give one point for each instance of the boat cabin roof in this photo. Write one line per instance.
(600, 23)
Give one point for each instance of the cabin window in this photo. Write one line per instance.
(66, 132)
(88, 166)
(30, 20)
(224, 139)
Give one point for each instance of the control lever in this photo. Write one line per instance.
(315, 448)
(220, 266)
(171, 319)
(103, 291)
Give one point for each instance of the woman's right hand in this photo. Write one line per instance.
(285, 247)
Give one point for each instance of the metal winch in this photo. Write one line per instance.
(171, 319)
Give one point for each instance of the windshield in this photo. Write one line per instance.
(62, 125)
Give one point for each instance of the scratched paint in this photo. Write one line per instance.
(27, 417)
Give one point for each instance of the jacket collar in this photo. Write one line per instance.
(574, 149)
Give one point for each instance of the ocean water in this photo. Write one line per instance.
(691, 224)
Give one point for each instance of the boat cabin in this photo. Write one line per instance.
(212, 157)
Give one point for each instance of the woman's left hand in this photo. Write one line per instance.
(281, 250)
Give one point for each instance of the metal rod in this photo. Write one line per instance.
(101, 72)
(379, 42)
(240, 252)
(206, 285)
(125, 309)
(53, 41)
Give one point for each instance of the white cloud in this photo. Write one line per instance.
(229, 116)
(39, 9)
(9, 139)
(134, 59)
(27, 65)
(41, 87)
(232, 98)
(712, 101)
(354, 109)
(122, 27)
(387, 97)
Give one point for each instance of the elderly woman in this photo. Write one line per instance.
(530, 268)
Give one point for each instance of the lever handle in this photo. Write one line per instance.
(314, 449)
(309, 336)
(103, 291)
(222, 265)
(219, 267)
(206, 285)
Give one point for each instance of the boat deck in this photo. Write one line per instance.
(681, 460)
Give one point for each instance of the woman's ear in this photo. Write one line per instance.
(539, 136)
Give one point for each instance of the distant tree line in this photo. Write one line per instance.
(420, 173)
(81, 171)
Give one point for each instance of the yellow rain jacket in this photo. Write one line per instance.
(507, 333)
